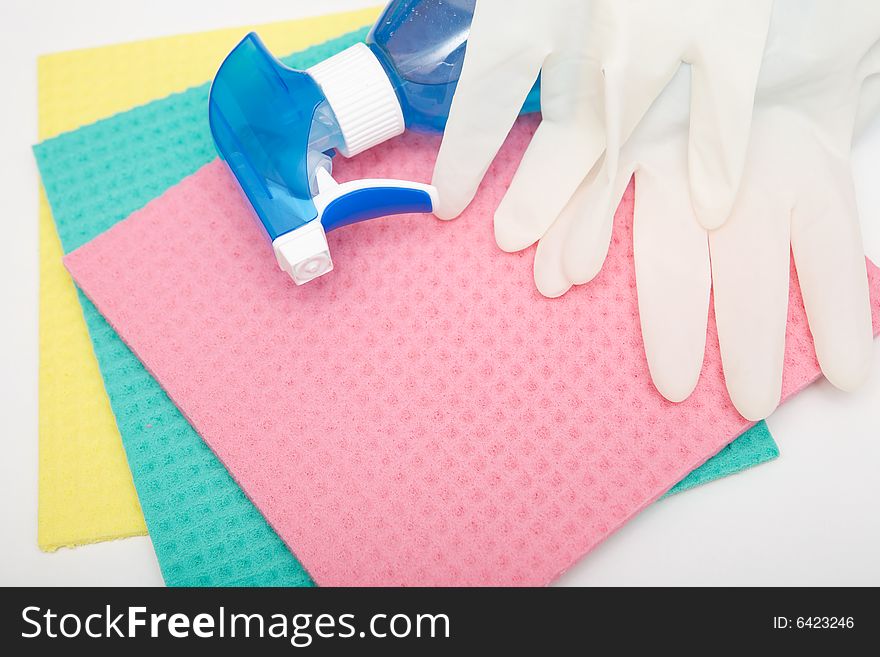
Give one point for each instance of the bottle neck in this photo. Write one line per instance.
(362, 98)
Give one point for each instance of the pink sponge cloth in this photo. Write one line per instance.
(421, 415)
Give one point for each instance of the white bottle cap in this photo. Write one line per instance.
(361, 96)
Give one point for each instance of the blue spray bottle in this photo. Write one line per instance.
(278, 128)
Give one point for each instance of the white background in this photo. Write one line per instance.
(810, 517)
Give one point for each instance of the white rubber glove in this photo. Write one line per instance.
(575, 44)
(671, 249)
(797, 190)
(798, 197)
(723, 42)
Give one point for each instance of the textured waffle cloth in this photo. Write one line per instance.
(422, 415)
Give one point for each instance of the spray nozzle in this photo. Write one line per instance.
(277, 128)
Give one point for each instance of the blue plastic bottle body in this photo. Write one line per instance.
(421, 45)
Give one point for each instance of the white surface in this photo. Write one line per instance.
(810, 517)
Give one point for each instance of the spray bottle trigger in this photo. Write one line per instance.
(304, 253)
(360, 200)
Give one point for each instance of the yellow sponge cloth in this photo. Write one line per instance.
(85, 488)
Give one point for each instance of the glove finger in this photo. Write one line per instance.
(830, 261)
(750, 273)
(588, 205)
(550, 277)
(726, 40)
(591, 210)
(673, 275)
(500, 67)
(562, 152)
(589, 236)
(722, 102)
